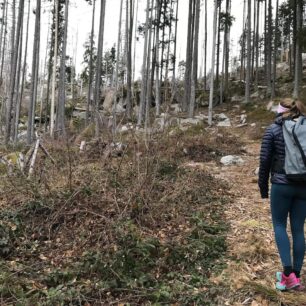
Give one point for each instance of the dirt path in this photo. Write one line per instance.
(252, 256)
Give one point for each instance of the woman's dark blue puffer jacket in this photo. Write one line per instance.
(272, 158)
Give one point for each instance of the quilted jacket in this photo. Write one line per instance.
(272, 158)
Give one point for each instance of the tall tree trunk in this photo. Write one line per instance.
(218, 44)
(249, 55)
(99, 68)
(15, 48)
(269, 50)
(17, 85)
(135, 40)
(90, 76)
(275, 52)
(164, 14)
(35, 64)
(157, 55)
(144, 69)
(213, 54)
(205, 46)
(4, 46)
(60, 114)
(174, 52)
(189, 50)
(129, 58)
(242, 70)
(298, 63)
(253, 42)
(20, 97)
(149, 83)
(117, 67)
(195, 59)
(56, 36)
(226, 49)
(4, 8)
(42, 83)
(257, 45)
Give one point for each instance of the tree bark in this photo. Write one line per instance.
(189, 49)
(35, 64)
(90, 76)
(117, 67)
(99, 68)
(249, 55)
(213, 53)
(52, 110)
(275, 52)
(144, 69)
(20, 97)
(157, 55)
(60, 114)
(269, 50)
(298, 63)
(129, 103)
(195, 59)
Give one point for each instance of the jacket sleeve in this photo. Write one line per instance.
(266, 155)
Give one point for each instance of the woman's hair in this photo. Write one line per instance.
(296, 108)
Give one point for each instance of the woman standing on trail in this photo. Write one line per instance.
(287, 198)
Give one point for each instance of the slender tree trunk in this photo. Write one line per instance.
(213, 54)
(35, 64)
(43, 83)
(60, 114)
(157, 55)
(218, 45)
(269, 50)
(149, 83)
(242, 70)
(249, 55)
(257, 46)
(275, 51)
(135, 40)
(129, 58)
(15, 47)
(52, 110)
(99, 67)
(226, 49)
(297, 78)
(90, 76)
(294, 38)
(4, 8)
(144, 69)
(253, 42)
(195, 59)
(205, 46)
(17, 85)
(164, 13)
(188, 68)
(19, 101)
(174, 52)
(117, 67)
(4, 46)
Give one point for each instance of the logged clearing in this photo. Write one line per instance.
(155, 221)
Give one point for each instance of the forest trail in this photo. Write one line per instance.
(252, 255)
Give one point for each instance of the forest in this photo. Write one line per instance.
(131, 178)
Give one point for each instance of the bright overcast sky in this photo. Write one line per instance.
(80, 26)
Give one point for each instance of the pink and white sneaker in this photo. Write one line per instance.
(287, 282)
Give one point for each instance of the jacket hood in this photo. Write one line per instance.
(279, 119)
